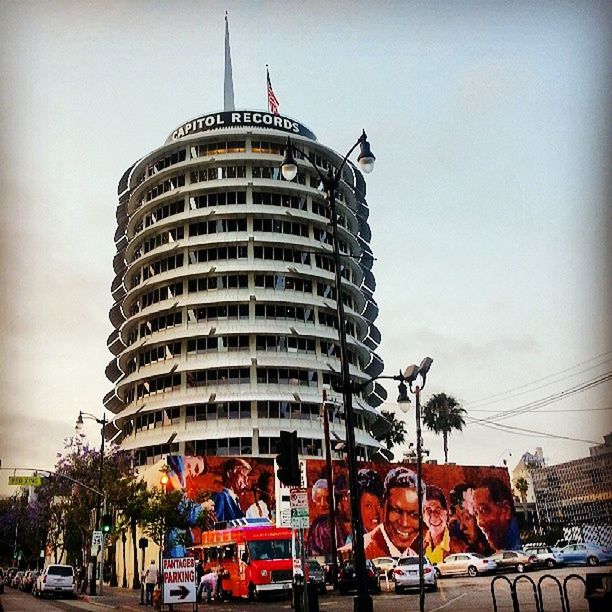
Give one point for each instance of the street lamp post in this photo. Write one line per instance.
(78, 429)
(331, 182)
(410, 376)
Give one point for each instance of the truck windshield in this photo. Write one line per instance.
(270, 549)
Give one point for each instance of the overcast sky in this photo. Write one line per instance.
(489, 201)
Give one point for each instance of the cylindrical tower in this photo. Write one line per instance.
(225, 327)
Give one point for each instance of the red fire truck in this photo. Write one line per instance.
(251, 560)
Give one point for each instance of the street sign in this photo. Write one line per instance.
(25, 481)
(179, 577)
(299, 508)
(96, 539)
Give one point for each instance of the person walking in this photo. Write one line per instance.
(151, 578)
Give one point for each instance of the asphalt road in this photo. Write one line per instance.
(461, 594)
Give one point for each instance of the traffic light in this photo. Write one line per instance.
(287, 460)
(107, 523)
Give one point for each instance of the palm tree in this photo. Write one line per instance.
(133, 510)
(396, 434)
(442, 414)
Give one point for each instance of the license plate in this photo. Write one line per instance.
(412, 573)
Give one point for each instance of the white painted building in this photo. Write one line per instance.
(225, 328)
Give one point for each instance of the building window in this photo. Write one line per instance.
(225, 253)
(217, 226)
(217, 173)
(218, 282)
(218, 148)
(287, 376)
(221, 198)
(218, 312)
(168, 185)
(220, 376)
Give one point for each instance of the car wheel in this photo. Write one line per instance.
(592, 560)
(399, 590)
(343, 591)
(550, 563)
(472, 571)
(520, 568)
(438, 572)
(434, 587)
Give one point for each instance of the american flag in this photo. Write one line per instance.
(272, 100)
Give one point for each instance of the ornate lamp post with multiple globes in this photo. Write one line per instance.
(78, 429)
(331, 182)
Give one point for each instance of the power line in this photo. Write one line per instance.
(523, 431)
(561, 410)
(502, 395)
(545, 401)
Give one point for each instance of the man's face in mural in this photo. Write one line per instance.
(239, 480)
(493, 517)
(401, 516)
(371, 511)
(434, 515)
(467, 524)
(321, 500)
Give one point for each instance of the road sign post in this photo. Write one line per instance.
(179, 580)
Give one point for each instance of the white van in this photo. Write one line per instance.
(55, 580)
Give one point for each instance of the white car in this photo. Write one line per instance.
(471, 564)
(386, 565)
(552, 557)
(55, 580)
(406, 574)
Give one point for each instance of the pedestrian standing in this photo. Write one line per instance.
(199, 574)
(151, 578)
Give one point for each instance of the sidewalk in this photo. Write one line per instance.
(112, 598)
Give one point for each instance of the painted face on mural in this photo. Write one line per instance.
(240, 479)
(435, 515)
(321, 500)
(371, 511)
(401, 516)
(493, 517)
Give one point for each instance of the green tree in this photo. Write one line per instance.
(442, 414)
(396, 434)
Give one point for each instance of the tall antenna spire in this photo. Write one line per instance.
(228, 82)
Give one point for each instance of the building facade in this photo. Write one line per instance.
(523, 469)
(577, 495)
(225, 326)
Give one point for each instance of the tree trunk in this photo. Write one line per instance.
(136, 580)
(445, 436)
(123, 541)
(112, 558)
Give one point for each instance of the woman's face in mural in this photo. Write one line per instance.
(371, 511)
(321, 500)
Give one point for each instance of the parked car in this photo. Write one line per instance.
(347, 579)
(552, 557)
(55, 580)
(28, 581)
(517, 560)
(592, 554)
(471, 564)
(385, 565)
(316, 575)
(17, 578)
(406, 574)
